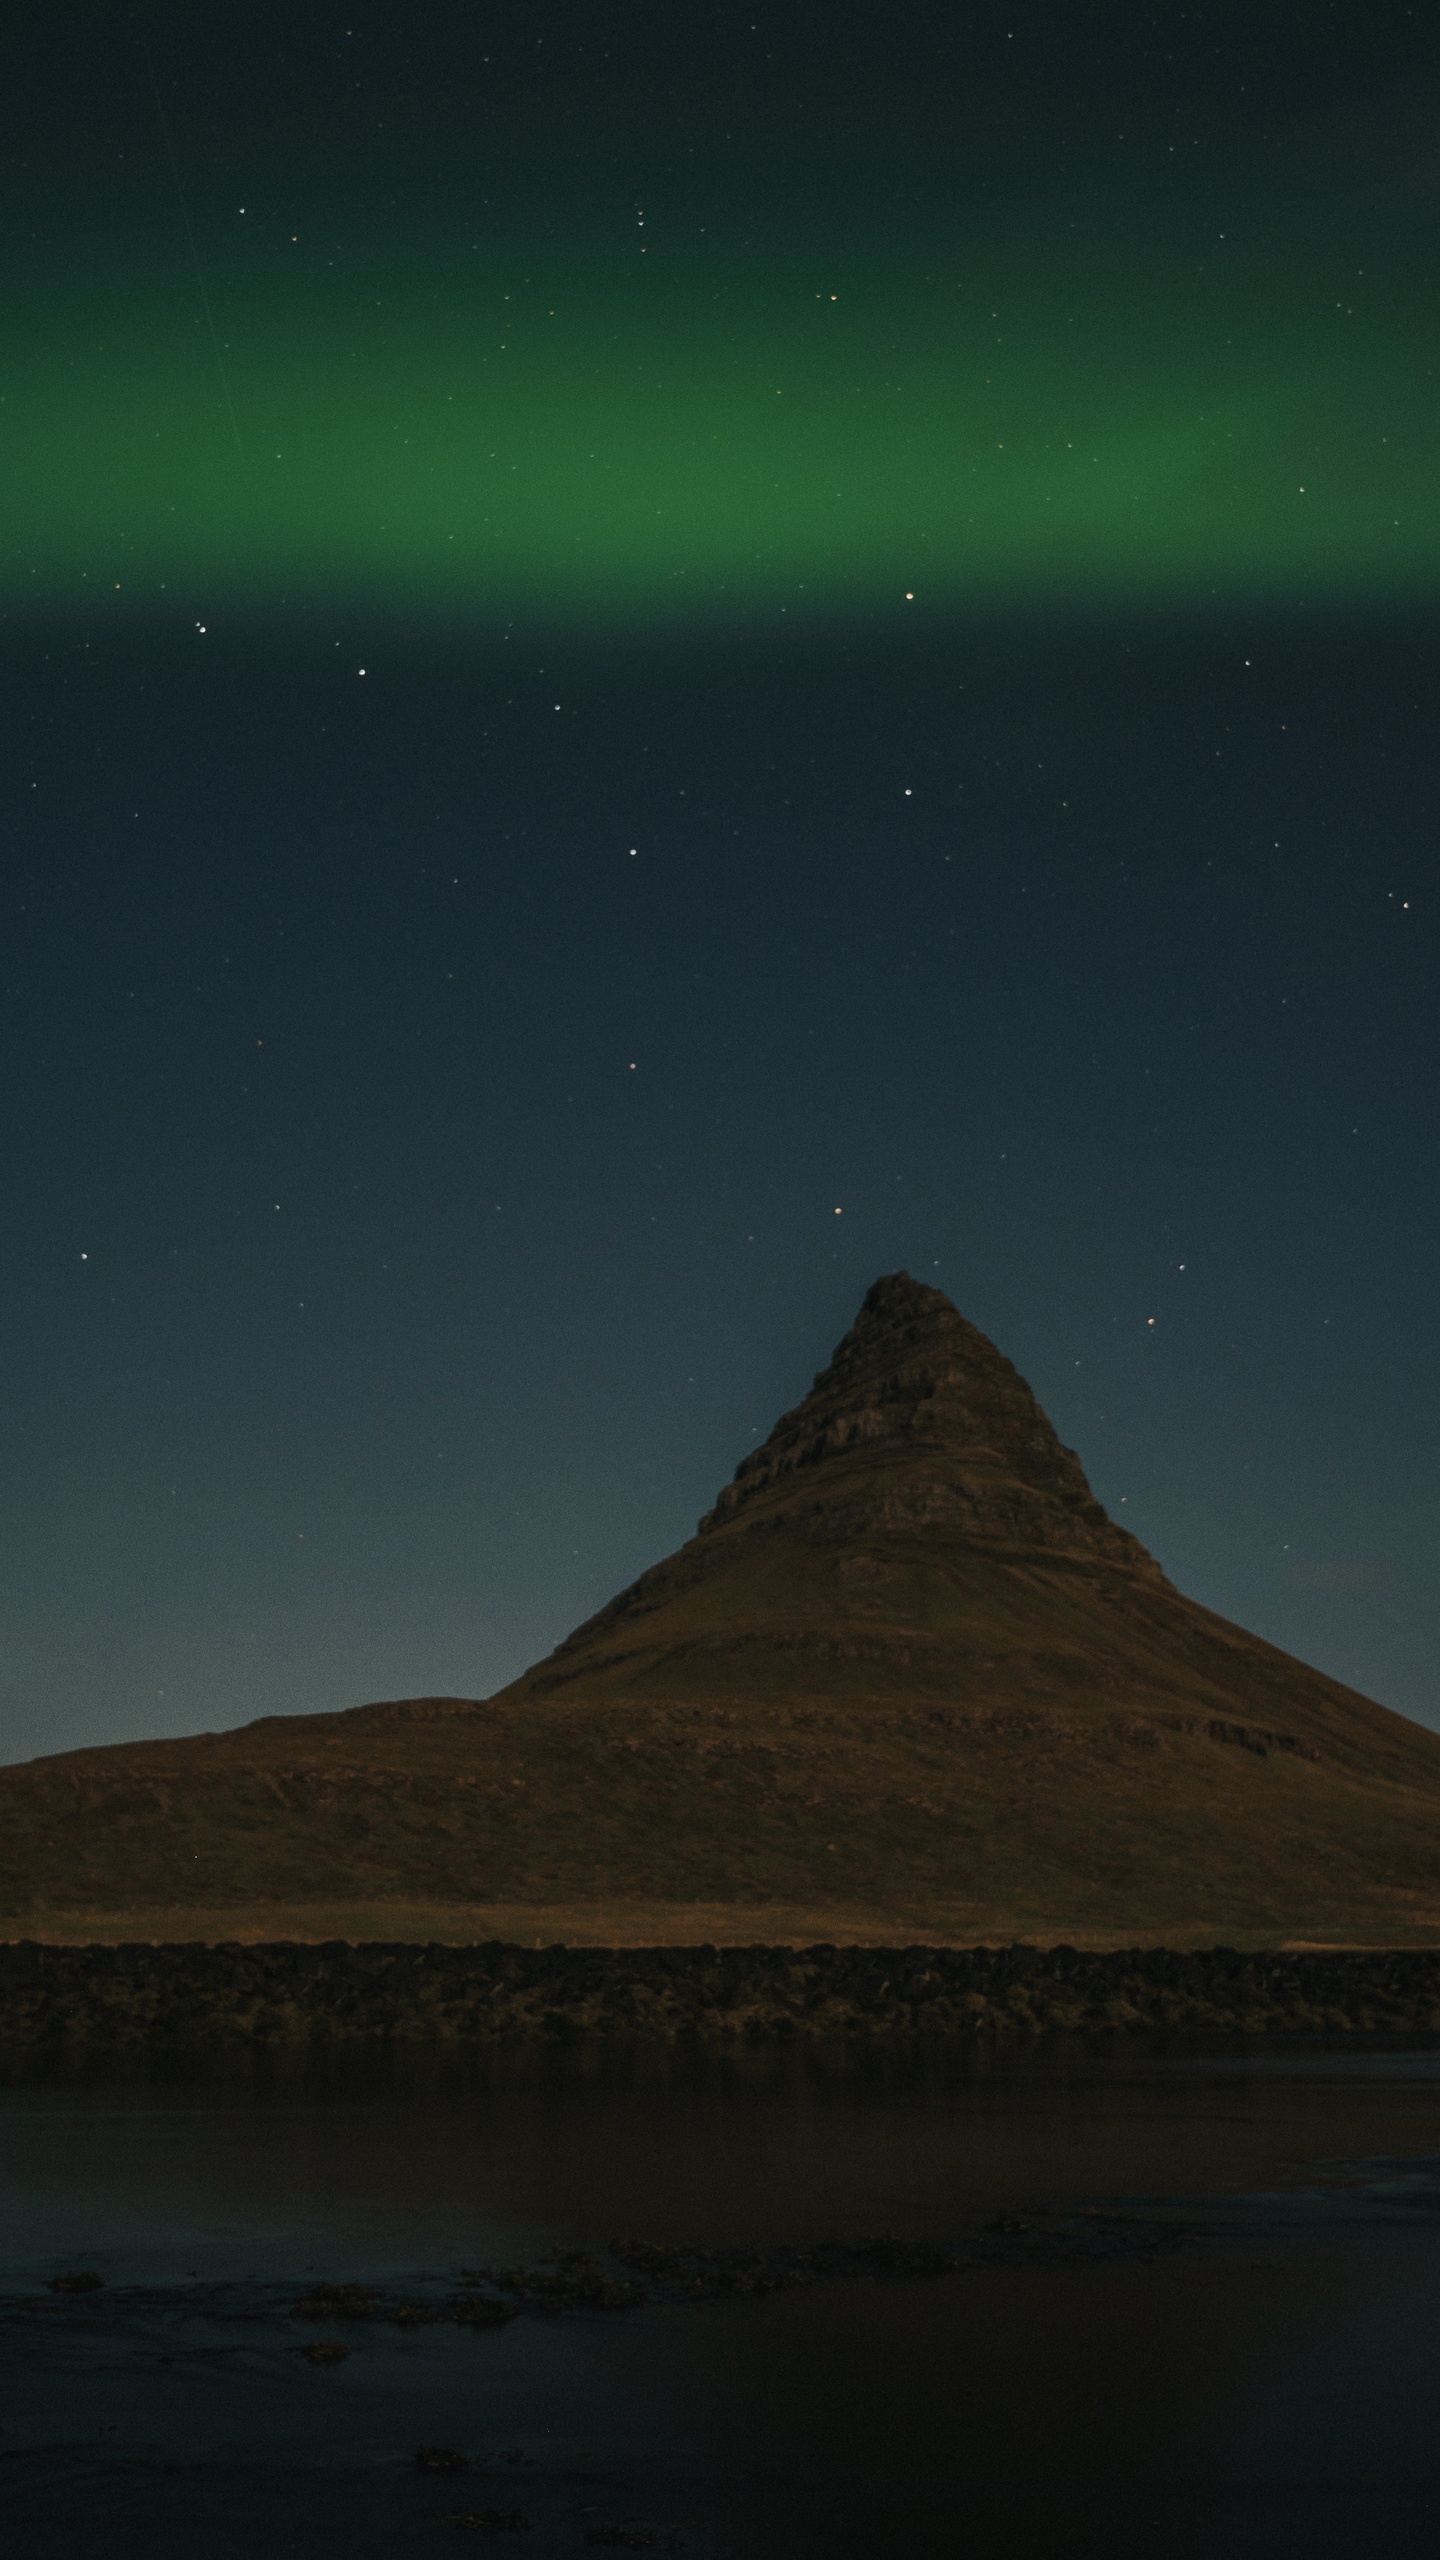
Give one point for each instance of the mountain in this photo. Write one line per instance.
(908, 1678)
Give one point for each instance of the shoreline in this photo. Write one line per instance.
(291, 1994)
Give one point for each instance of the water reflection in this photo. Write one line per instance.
(1222, 2390)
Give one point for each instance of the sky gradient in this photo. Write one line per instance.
(544, 852)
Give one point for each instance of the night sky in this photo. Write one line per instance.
(656, 659)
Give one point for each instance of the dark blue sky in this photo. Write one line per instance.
(372, 1316)
(430, 1098)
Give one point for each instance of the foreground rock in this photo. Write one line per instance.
(169, 1997)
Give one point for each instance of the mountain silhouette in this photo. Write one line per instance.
(907, 1678)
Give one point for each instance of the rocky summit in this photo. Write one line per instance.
(949, 1435)
(907, 1681)
(918, 1461)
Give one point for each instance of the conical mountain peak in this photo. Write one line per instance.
(918, 1423)
(907, 1678)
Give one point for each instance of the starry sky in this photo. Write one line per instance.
(655, 661)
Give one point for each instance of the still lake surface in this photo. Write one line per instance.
(1195, 2309)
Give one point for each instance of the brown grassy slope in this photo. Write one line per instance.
(906, 1679)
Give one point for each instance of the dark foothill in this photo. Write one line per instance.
(83, 2282)
(325, 2351)
(490, 2520)
(439, 2457)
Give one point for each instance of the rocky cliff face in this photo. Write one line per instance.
(954, 1438)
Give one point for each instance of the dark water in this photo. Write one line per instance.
(1215, 2330)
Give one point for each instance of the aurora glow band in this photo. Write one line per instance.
(477, 430)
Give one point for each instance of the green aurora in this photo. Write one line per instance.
(663, 434)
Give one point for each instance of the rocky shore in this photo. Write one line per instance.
(293, 1995)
